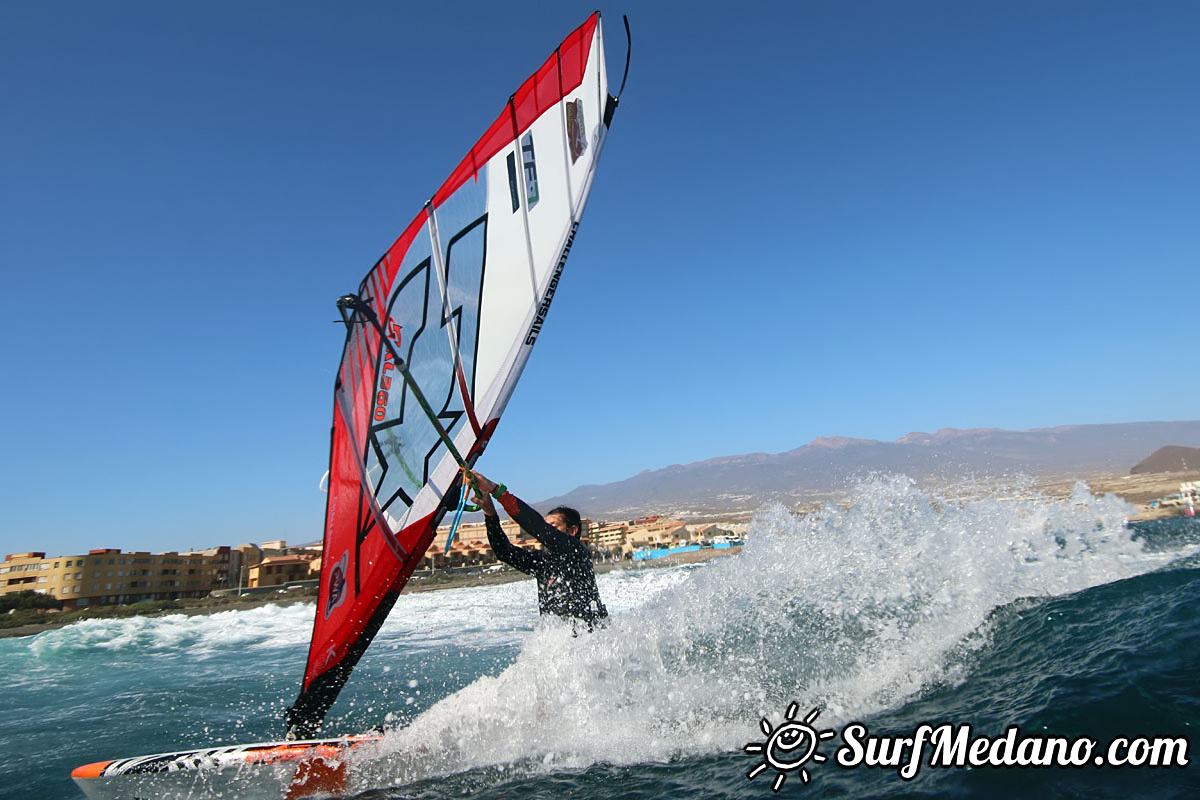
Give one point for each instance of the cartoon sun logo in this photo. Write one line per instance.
(789, 746)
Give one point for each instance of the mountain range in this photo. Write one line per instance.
(826, 467)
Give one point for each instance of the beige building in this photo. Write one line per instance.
(471, 547)
(608, 537)
(108, 576)
(280, 570)
(655, 532)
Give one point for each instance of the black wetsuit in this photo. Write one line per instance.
(563, 567)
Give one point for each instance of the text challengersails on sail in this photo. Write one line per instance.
(462, 295)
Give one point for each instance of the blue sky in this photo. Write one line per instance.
(811, 218)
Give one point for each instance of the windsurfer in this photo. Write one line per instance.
(563, 567)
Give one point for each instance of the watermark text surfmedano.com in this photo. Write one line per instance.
(953, 746)
(795, 743)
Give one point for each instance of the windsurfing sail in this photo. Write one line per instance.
(450, 311)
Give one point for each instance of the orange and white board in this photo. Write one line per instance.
(268, 770)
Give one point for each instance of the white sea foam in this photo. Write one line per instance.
(853, 610)
(262, 628)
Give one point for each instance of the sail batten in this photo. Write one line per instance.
(452, 307)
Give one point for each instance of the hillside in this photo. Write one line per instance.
(826, 466)
(1171, 458)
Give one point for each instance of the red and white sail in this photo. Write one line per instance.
(462, 294)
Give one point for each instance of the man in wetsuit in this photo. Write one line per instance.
(563, 567)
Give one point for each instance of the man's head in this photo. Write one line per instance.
(566, 520)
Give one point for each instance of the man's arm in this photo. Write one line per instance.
(551, 538)
(506, 551)
(535, 525)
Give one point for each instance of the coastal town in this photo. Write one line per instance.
(110, 576)
(106, 577)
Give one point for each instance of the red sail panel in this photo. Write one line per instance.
(539, 92)
(363, 562)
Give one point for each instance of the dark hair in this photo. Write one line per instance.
(570, 516)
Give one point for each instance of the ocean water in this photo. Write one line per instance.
(905, 608)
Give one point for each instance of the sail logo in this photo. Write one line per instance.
(337, 584)
(385, 380)
(529, 167)
(576, 136)
(544, 308)
(530, 163)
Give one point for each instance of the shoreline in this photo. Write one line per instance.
(415, 585)
(1138, 490)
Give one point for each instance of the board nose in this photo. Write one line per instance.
(90, 770)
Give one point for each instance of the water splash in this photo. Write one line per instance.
(856, 609)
